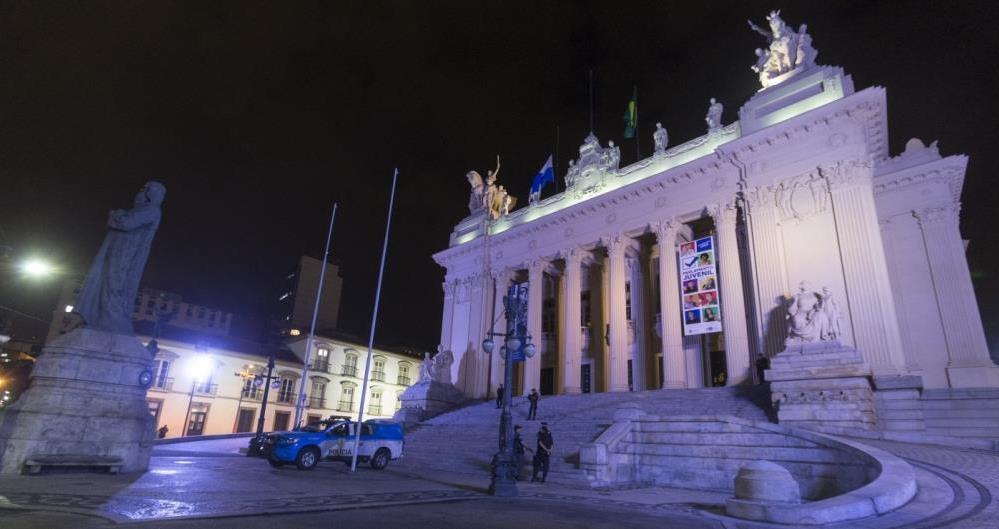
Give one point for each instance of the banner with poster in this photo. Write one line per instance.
(699, 287)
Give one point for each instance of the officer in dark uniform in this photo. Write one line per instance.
(543, 456)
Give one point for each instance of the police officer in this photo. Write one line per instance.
(543, 455)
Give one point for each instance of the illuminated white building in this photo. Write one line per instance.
(800, 188)
(210, 387)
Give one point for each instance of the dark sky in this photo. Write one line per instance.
(258, 115)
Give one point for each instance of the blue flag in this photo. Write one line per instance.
(545, 176)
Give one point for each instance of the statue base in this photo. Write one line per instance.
(822, 384)
(427, 399)
(85, 407)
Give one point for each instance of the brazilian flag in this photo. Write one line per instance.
(631, 115)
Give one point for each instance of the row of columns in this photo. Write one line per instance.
(677, 373)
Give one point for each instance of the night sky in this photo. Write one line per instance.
(258, 115)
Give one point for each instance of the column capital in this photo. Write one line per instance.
(847, 173)
(537, 265)
(449, 288)
(615, 244)
(666, 230)
(937, 216)
(572, 253)
(501, 273)
(760, 197)
(723, 214)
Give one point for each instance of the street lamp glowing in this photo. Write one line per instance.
(37, 268)
(201, 367)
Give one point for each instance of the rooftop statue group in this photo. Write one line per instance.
(488, 196)
(788, 50)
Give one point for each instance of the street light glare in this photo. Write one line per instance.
(37, 268)
(201, 367)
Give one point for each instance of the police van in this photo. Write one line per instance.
(381, 441)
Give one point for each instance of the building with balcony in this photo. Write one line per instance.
(228, 396)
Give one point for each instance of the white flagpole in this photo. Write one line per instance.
(300, 406)
(374, 320)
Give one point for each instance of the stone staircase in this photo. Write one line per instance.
(461, 443)
(968, 413)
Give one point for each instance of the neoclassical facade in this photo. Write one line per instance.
(801, 188)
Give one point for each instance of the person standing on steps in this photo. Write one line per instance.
(532, 413)
(542, 457)
(499, 397)
(519, 448)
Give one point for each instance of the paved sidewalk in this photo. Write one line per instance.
(204, 485)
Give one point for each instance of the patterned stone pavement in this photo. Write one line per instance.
(207, 487)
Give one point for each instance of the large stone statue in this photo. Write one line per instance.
(660, 139)
(812, 316)
(788, 51)
(487, 196)
(86, 405)
(434, 393)
(475, 200)
(108, 294)
(714, 117)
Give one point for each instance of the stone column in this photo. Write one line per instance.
(618, 355)
(450, 287)
(638, 363)
(962, 323)
(674, 362)
(571, 325)
(502, 282)
(535, 291)
(767, 259)
(694, 354)
(733, 306)
(872, 310)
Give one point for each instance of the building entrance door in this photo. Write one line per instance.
(196, 426)
(245, 421)
(281, 419)
(547, 381)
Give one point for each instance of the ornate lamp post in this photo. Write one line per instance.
(517, 347)
(257, 441)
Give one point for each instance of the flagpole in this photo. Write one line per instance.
(591, 100)
(300, 406)
(638, 155)
(374, 320)
(555, 160)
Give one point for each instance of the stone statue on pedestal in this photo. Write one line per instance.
(812, 316)
(660, 139)
(434, 393)
(108, 294)
(86, 405)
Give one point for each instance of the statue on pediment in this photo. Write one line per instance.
(787, 51)
(714, 117)
(594, 162)
(660, 139)
(487, 196)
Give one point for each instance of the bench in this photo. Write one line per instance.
(34, 464)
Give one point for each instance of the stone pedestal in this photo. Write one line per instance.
(424, 400)
(822, 384)
(85, 407)
(900, 408)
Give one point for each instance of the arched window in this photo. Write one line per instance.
(375, 404)
(321, 362)
(317, 396)
(350, 363)
(405, 368)
(378, 368)
(347, 390)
